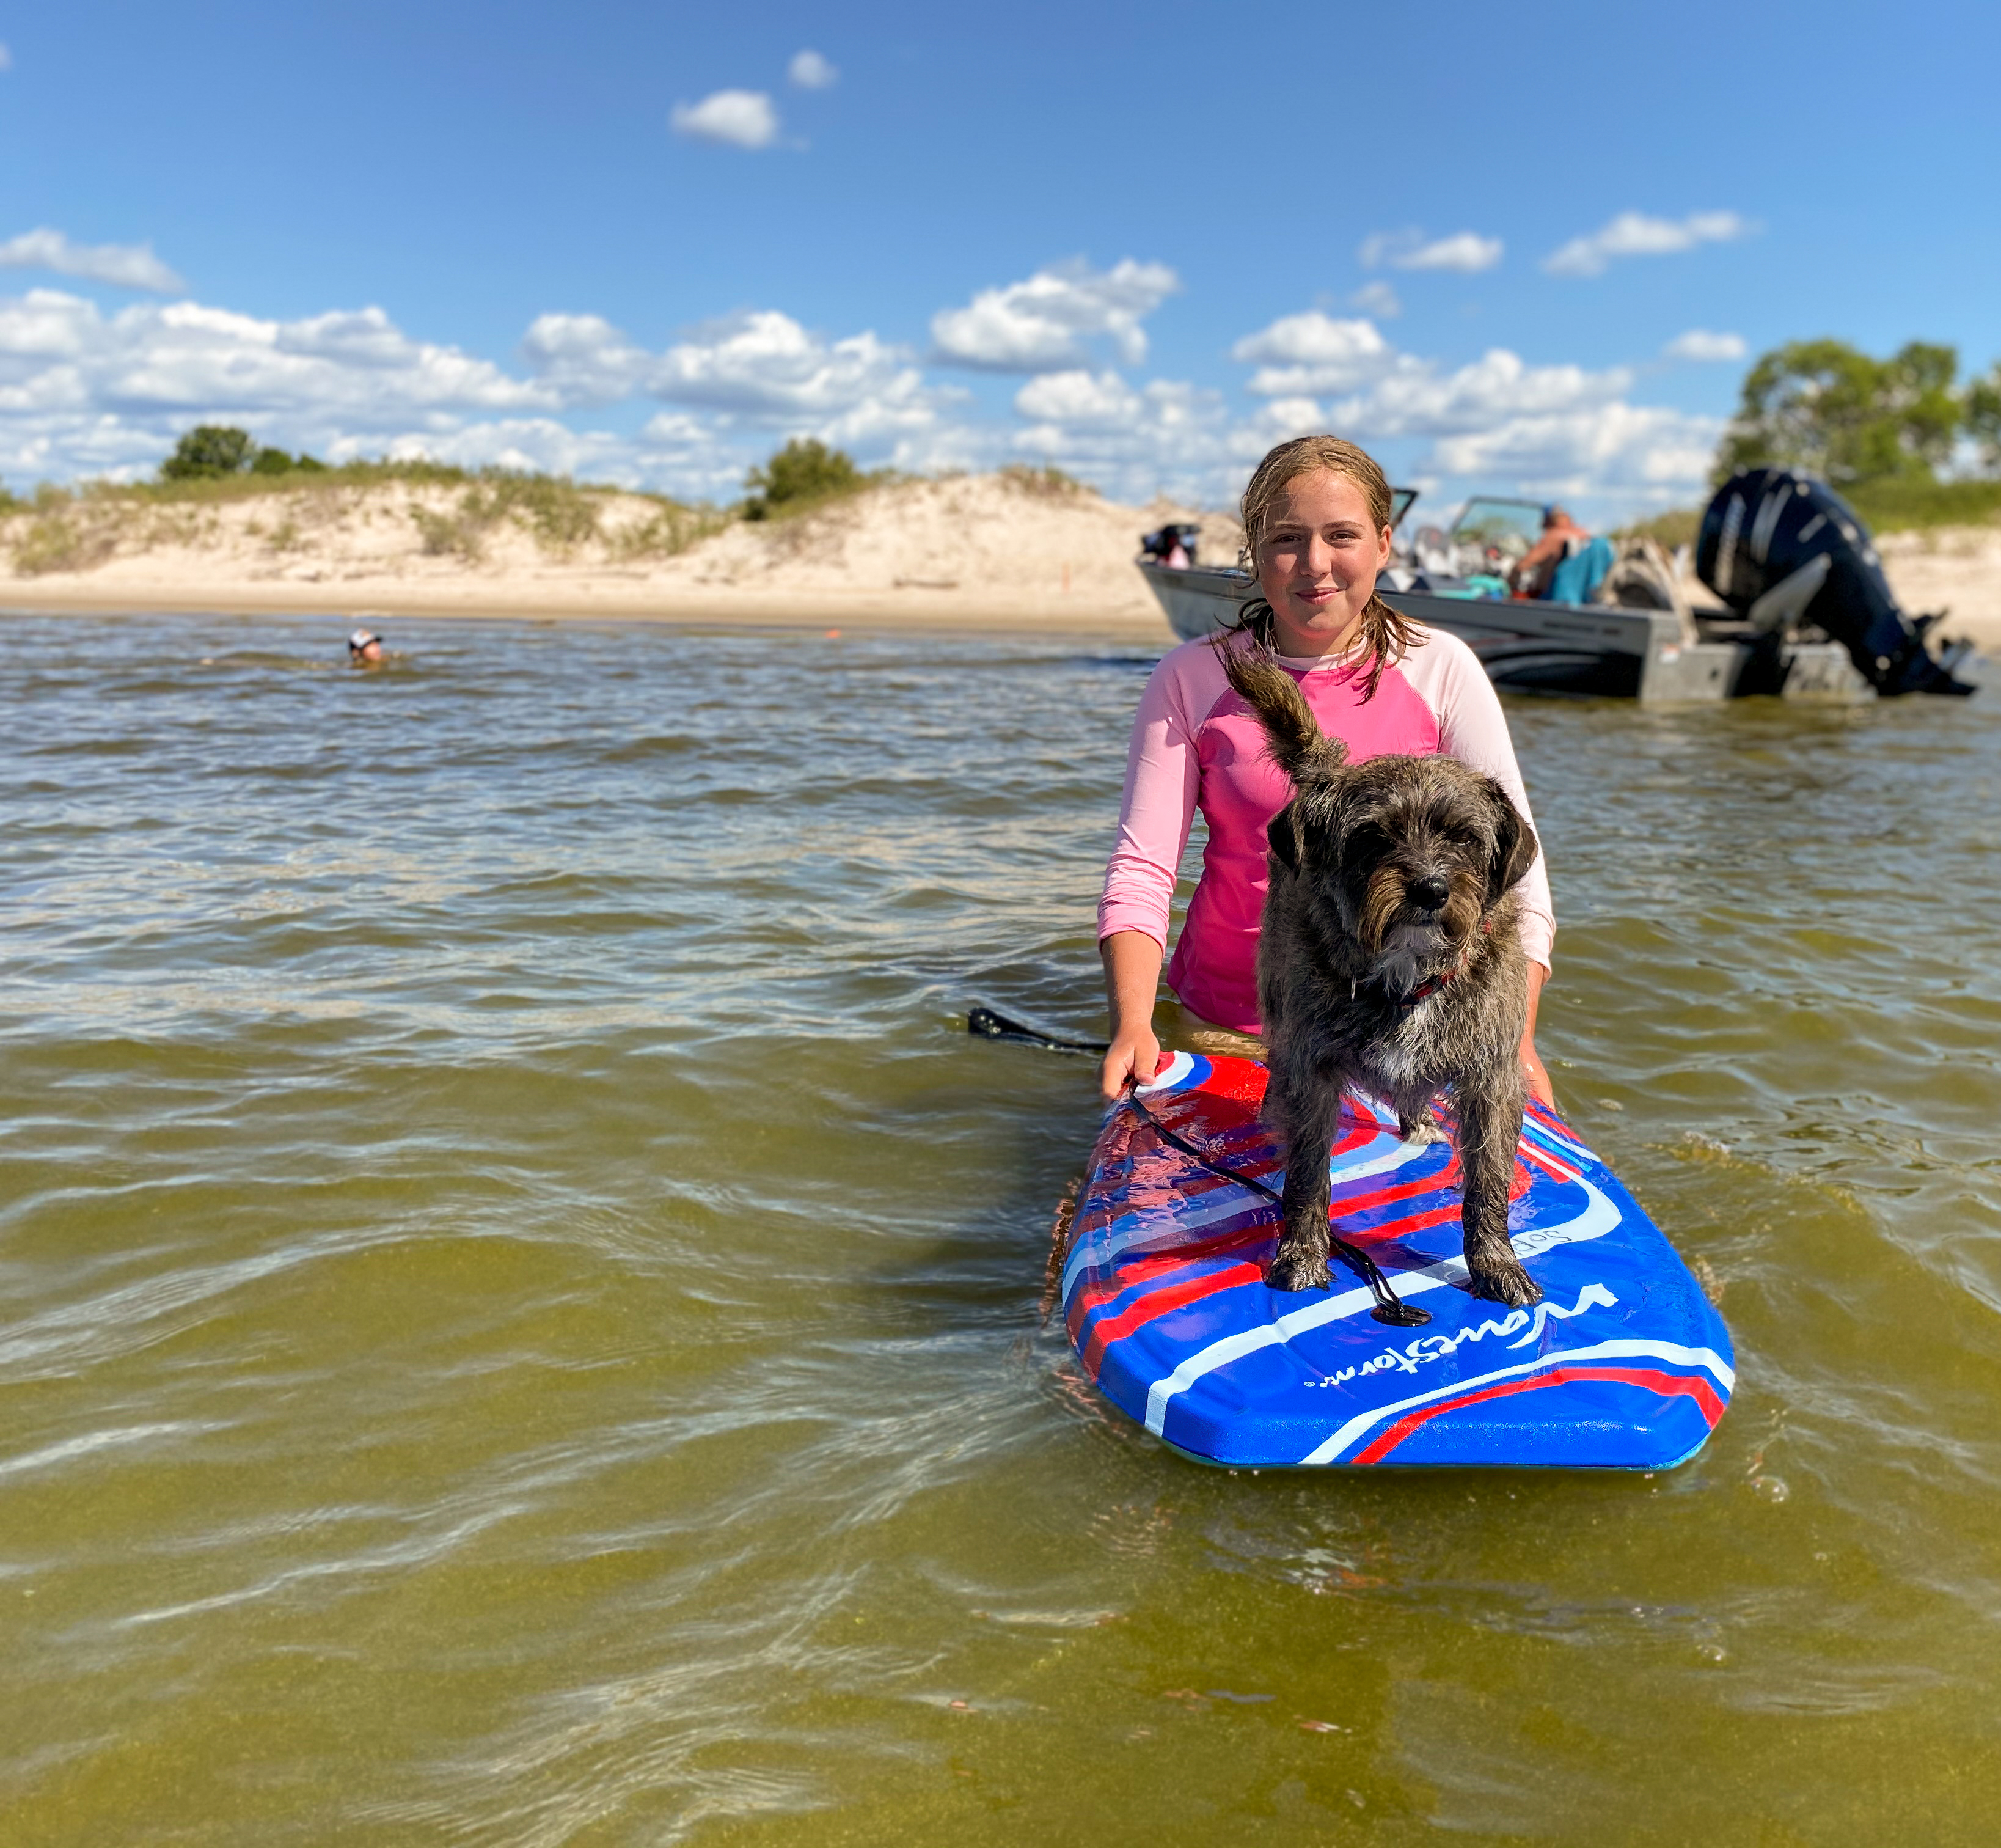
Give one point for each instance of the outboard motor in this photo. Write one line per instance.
(1780, 550)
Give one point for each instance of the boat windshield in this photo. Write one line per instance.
(1500, 530)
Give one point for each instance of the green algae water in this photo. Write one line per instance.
(521, 1309)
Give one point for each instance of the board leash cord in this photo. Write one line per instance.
(1390, 1307)
(984, 1023)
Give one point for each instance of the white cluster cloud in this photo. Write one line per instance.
(808, 71)
(729, 118)
(1132, 440)
(124, 265)
(760, 368)
(1042, 325)
(59, 352)
(83, 391)
(1465, 251)
(1559, 428)
(1299, 354)
(1633, 234)
(1699, 343)
(86, 388)
(6, 59)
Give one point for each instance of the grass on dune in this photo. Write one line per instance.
(74, 529)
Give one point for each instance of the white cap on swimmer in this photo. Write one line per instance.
(361, 638)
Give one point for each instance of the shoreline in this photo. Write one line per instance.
(388, 602)
(914, 611)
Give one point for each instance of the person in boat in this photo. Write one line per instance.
(1317, 520)
(1534, 573)
(1173, 545)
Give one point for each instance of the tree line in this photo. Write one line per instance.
(1831, 411)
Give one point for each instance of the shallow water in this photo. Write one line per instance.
(520, 1318)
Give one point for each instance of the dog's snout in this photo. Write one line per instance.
(1429, 892)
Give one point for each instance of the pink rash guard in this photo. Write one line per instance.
(1196, 745)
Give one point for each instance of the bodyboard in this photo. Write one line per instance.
(1624, 1364)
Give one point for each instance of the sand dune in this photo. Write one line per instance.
(1010, 550)
(980, 549)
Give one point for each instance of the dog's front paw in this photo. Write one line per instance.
(1297, 1268)
(1503, 1280)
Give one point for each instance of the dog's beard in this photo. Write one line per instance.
(1405, 944)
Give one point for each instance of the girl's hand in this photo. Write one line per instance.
(1134, 1058)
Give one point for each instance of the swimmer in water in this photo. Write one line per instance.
(364, 649)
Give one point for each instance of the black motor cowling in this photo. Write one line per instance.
(1781, 549)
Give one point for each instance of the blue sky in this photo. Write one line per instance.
(1523, 251)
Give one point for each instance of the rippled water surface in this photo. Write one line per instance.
(520, 1317)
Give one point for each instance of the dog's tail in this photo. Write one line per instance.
(1299, 747)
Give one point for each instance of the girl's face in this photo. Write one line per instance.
(1318, 562)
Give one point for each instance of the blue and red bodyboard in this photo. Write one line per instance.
(1623, 1364)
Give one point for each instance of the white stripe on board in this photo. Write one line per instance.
(1598, 1218)
(1362, 1422)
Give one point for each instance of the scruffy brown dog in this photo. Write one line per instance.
(1389, 961)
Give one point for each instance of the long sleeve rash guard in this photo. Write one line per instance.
(1197, 745)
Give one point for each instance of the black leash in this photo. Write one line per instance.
(1389, 1307)
(984, 1023)
(987, 1024)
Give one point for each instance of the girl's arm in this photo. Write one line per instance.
(1132, 979)
(1163, 775)
(1533, 1071)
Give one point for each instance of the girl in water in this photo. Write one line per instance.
(1317, 526)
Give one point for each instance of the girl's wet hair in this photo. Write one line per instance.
(1386, 637)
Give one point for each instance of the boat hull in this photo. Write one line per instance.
(1585, 650)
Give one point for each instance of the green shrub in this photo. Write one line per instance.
(208, 452)
(272, 461)
(804, 474)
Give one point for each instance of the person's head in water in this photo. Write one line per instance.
(364, 648)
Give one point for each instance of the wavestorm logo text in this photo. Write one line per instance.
(1526, 1325)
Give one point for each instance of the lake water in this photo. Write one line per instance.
(521, 1317)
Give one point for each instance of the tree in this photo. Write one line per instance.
(806, 470)
(1983, 416)
(273, 461)
(208, 452)
(1830, 410)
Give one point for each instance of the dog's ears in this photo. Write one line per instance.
(1282, 835)
(1515, 844)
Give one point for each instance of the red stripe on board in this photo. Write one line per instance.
(1666, 1384)
(1158, 1303)
(1157, 1270)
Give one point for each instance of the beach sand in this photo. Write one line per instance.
(984, 551)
